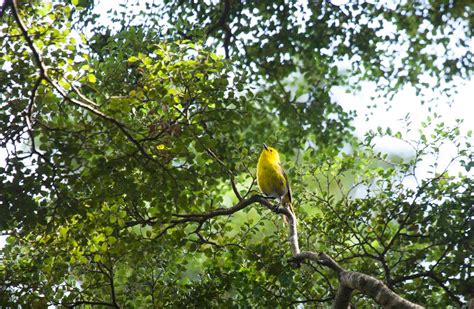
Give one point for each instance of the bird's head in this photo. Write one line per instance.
(270, 154)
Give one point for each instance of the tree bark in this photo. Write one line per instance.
(374, 288)
(343, 297)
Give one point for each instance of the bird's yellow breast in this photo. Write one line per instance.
(270, 178)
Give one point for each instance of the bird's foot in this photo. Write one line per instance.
(275, 207)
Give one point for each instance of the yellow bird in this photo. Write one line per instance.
(271, 177)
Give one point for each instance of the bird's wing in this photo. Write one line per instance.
(288, 188)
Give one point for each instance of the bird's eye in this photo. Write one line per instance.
(271, 150)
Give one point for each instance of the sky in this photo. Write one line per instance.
(460, 106)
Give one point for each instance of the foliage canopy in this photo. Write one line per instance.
(111, 132)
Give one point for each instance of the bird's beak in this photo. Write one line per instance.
(265, 147)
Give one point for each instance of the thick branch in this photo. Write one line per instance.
(350, 281)
(343, 297)
(374, 288)
(292, 228)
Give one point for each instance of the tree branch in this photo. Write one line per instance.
(321, 258)
(374, 288)
(222, 23)
(350, 281)
(343, 297)
(85, 302)
(221, 211)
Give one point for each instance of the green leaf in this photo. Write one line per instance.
(91, 78)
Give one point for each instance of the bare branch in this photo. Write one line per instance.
(221, 211)
(321, 258)
(234, 187)
(350, 281)
(374, 288)
(85, 302)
